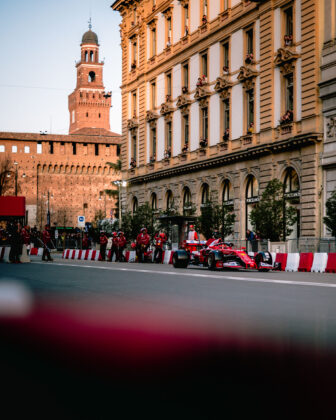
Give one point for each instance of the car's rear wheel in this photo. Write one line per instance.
(213, 257)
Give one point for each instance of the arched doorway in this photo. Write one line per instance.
(251, 198)
(292, 195)
(134, 205)
(187, 204)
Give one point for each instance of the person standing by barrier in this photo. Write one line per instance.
(159, 240)
(142, 244)
(122, 245)
(103, 244)
(26, 237)
(46, 238)
(114, 247)
(16, 243)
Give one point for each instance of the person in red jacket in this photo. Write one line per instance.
(122, 245)
(159, 240)
(46, 238)
(103, 244)
(142, 243)
(114, 247)
(25, 232)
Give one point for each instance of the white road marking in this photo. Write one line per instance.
(190, 274)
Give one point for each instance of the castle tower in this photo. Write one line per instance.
(89, 104)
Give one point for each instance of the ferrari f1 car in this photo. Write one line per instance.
(220, 255)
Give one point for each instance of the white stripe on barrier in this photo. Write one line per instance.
(293, 260)
(319, 262)
(166, 258)
(40, 252)
(76, 257)
(131, 256)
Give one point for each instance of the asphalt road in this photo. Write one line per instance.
(106, 340)
(297, 306)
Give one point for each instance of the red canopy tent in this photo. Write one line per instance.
(11, 207)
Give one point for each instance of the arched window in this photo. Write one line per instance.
(154, 202)
(91, 55)
(251, 198)
(205, 194)
(291, 183)
(227, 199)
(92, 76)
(292, 194)
(169, 200)
(86, 56)
(135, 205)
(187, 204)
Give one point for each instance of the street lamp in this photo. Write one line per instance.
(120, 184)
(16, 176)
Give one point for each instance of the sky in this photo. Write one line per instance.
(40, 44)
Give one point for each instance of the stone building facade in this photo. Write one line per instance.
(68, 175)
(328, 96)
(220, 97)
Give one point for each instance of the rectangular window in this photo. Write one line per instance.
(226, 56)
(51, 147)
(186, 20)
(226, 115)
(205, 7)
(96, 149)
(169, 84)
(289, 21)
(205, 123)
(249, 41)
(62, 143)
(73, 116)
(153, 95)
(134, 104)
(186, 129)
(153, 143)
(14, 149)
(168, 136)
(74, 148)
(26, 149)
(250, 109)
(204, 64)
(2, 148)
(185, 78)
(169, 31)
(134, 146)
(134, 53)
(153, 42)
(289, 92)
(225, 4)
(39, 148)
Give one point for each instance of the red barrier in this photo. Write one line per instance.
(282, 259)
(306, 261)
(331, 264)
(34, 251)
(127, 256)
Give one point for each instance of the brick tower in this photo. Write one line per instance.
(89, 104)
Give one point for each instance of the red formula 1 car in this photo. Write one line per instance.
(220, 255)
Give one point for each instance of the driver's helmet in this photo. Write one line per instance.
(133, 245)
(162, 235)
(114, 233)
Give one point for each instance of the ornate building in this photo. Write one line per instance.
(67, 175)
(220, 97)
(328, 95)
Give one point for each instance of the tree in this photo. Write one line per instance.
(145, 216)
(272, 216)
(6, 170)
(218, 217)
(330, 219)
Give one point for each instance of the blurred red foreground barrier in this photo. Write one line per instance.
(282, 259)
(306, 261)
(331, 264)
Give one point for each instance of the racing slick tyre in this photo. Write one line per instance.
(180, 259)
(213, 257)
(263, 258)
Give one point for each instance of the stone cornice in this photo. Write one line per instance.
(246, 154)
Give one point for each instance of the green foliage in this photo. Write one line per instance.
(144, 217)
(216, 217)
(272, 216)
(330, 219)
(115, 166)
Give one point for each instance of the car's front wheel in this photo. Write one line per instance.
(180, 259)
